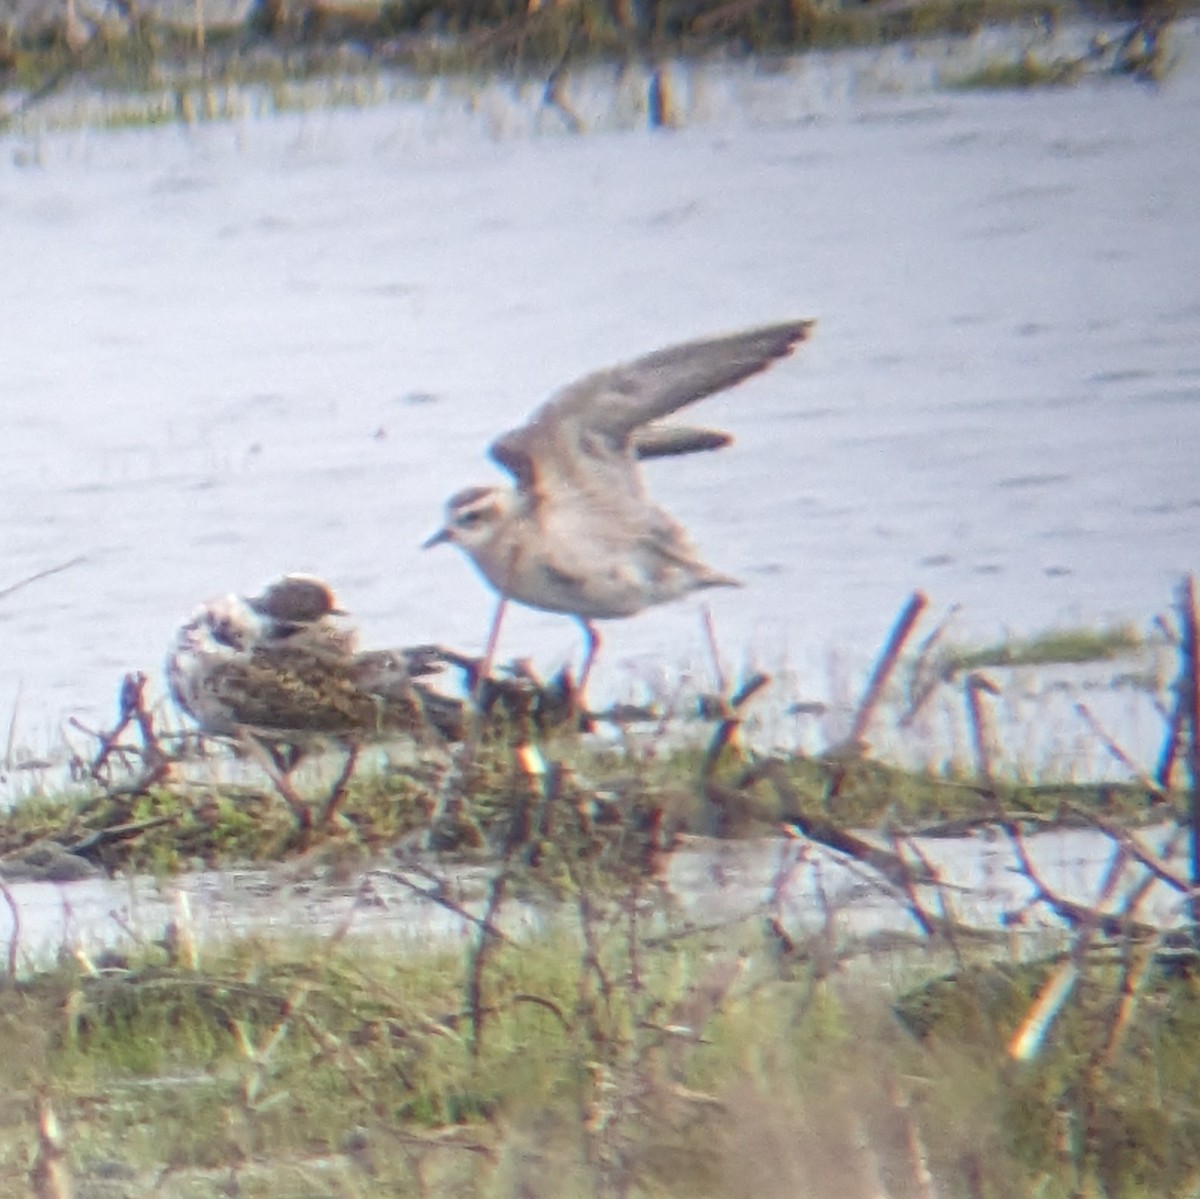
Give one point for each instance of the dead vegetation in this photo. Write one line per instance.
(633, 1045)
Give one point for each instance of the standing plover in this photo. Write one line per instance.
(578, 534)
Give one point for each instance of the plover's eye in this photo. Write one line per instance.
(470, 518)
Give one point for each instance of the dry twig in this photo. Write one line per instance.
(884, 666)
(1190, 685)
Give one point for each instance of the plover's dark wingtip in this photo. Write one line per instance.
(799, 331)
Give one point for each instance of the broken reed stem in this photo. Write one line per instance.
(820, 828)
(980, 731)
(730, 722)
(591, 963)
(1080, 916)
(918, 1155)
(886, 664)
(1189, 677)
(924, 677)
(127, 702)
(910, 892)
(1136, 970)
(156, 763)
(478, 958)
(1170, 749)
(1156, 864)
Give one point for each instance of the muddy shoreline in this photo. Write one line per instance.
(199, 56)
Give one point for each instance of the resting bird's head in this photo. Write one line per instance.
(296, 599)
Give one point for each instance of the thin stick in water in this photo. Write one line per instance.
(5, 592)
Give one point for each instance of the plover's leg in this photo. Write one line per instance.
(489, 650)
(593, 646)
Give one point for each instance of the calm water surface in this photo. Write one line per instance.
(726, 882)
(278, 344)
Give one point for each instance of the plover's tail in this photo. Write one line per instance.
(707, 577)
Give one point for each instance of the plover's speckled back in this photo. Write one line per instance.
(578, 534)
(235, 672)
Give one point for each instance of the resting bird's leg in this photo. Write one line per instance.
(338, 792)
(272, 761)
(285, 760)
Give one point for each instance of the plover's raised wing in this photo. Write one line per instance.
(584, 437)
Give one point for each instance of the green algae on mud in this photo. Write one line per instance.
(172, 827)
(1071, 646)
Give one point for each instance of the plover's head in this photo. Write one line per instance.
(296, 599)
(473, 517)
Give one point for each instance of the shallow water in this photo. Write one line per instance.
(278, 343)
(807, 887)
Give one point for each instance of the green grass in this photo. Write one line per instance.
(708, 1065)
